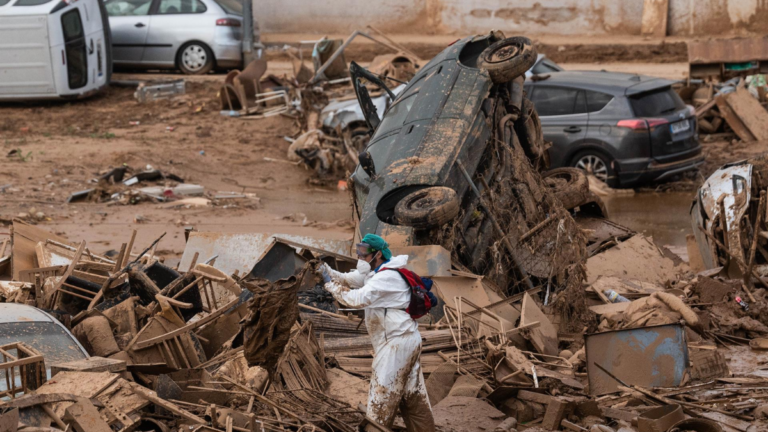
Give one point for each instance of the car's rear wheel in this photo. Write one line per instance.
(427, 208)
(569, 185)
(195, 58)
(507, 59)
(595, 163)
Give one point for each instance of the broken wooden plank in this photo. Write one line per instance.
(173, 408)
(84, 417)
(733, 119)
(750, 112)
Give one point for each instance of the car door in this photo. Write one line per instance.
(564, 119)
(129, 21)
(172, 24)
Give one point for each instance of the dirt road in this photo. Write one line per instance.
(61, 146)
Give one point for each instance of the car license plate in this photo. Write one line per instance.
(681, 126)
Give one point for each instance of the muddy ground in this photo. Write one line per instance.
(61, 146)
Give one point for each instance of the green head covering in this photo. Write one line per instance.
(378, 244)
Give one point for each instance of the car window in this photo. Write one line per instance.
(172, 7)
(396, 114)
(74, 46)
(597, 101)
(546, 66)
(234, 7)
(127, 7)
(28, 2)
(4, 2)
(656, 103)
(49, 338)
(552, 101)
(580, 107)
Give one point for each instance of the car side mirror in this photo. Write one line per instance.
(366, 163)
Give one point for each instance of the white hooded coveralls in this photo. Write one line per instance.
(397, 379)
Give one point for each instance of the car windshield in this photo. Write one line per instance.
(657, 103)
(234, 7)
(50, 339)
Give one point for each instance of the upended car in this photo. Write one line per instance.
(456, 160)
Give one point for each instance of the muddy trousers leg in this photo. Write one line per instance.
(397, 378)
(415, 407)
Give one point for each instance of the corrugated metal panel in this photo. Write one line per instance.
(25, 56)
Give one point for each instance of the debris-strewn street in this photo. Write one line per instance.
(374, 231)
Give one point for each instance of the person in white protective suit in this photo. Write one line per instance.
(397, 380)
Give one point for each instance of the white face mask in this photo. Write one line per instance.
(363, 267)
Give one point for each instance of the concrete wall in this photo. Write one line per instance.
(530, 17)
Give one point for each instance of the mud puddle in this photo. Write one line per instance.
(662, 216)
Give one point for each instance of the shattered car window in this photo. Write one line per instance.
(47, 337)
(396, 114)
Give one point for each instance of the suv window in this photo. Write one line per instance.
(545, 66)
(597, 101)
(553, 101)
(173, 7)
(127, 7)
(656, 103)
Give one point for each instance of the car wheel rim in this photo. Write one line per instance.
(595, 166)
(504, 53)
(194, 57)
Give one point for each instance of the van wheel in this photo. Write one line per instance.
(195, 58)
(428, 208)
(569, 185)
(595, 163)
(507, 59)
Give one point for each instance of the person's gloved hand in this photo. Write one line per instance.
(324, 272)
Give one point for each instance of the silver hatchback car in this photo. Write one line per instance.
(192, 35)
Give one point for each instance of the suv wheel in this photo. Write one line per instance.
(594, 163)
(507, 59)
(195, 58)
(428, 208)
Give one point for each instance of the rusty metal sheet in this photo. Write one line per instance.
(727, 50)
(654, 356)
(242, 251)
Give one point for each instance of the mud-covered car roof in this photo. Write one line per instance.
(421, 134)
(614, 83)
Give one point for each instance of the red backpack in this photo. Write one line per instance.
(421, 297)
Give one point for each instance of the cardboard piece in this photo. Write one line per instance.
(544, 337)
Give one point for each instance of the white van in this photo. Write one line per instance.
(53, 49)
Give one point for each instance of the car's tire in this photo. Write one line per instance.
(195, 58)
(427, 208)
(596, 163)
(569, 185)
(507, 59)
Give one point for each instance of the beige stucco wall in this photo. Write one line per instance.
(531, 17)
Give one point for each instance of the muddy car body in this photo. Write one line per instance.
(725, 215)
(457, 120)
